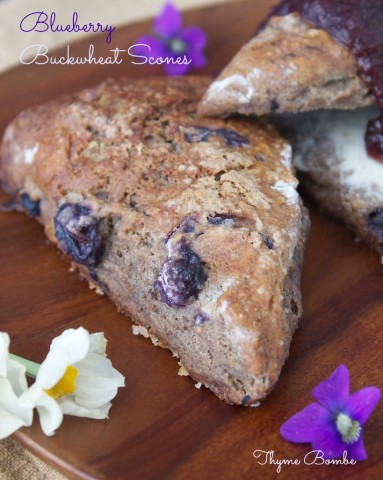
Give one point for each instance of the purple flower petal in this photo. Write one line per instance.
(333, 392)
(328, 440)
(170, 41)
(194, 36)
(361, 404)
(305, 425)
(357, 451)
(169, 21)
(177, 70)
(318, 424)
(198, 59)
(155, 47)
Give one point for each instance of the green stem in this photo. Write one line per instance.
(32, 367)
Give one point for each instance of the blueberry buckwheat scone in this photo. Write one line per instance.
(192, 226)
(309, 54)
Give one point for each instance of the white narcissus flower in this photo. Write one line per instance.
(76, 378)
(13, 383)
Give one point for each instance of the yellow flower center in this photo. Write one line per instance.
(349, 429)
(66, 385)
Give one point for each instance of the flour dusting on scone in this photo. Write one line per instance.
(192, 226)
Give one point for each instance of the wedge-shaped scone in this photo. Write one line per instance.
(335, 168)
(192, 226)
(289, 66)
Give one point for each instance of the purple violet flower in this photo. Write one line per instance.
(336, 423)
(170, 41)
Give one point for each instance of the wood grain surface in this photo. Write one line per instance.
(160, 426)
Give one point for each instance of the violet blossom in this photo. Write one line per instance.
(171, 43)
(336, 424)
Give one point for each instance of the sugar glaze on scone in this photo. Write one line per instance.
(330, 152)
(192, 226)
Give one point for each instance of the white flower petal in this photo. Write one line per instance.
(52, 369)
(95, 385)
(75, 342)
(9, 423)
(93, 396)
(4, 349)
(16, 375)
(71, 408)
(97, 381)
(50, 413)
(12, 403)
(11, 369)
(31, 396)
(95, 365)
(13, 413)
(98, 343)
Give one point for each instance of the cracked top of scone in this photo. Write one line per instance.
(138, 148)
(289, 66)
(124, 136)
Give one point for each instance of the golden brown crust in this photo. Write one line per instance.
(289, 66)
(135, 154)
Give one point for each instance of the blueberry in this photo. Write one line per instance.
(203, 134)
(32, 207)
(200, 318)
(245, 400)
(188, 228)
(180, 278)
(231, 220)
(233, 139)
(375, 224)
(77, 234)
(187, 225)
(221, 218)
(268, 241)
(198, 134)
(274, 105)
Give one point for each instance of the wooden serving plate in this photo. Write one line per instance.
(160, 426)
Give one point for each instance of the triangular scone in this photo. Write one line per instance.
(192, 226)
(290, 66)
(335, 168)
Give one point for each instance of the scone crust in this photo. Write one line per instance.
(127, 150)
(290, 66)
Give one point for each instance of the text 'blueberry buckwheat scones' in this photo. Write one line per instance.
(192, 226)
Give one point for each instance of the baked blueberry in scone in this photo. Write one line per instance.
(192, 226)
